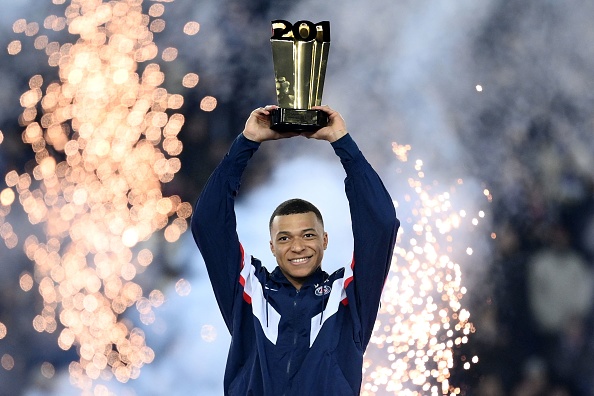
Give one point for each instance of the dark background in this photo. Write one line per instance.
(403, 72)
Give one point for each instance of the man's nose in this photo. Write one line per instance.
(297, 245)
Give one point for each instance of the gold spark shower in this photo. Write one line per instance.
(105, 139)
(421, 319)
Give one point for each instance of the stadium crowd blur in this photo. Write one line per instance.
(535, 333)
(534, 320)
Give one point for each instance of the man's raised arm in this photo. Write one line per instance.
(213, 222)
(373, 219)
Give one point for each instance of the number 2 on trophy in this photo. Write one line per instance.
(301, 30)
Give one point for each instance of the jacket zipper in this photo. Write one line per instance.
(294, 337)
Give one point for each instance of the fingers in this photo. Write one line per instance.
(324, 108)
(333, 115)
(264, 110)
(259, 111)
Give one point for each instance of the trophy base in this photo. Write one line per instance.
(297, 120)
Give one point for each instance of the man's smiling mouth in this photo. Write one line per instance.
(299, 260)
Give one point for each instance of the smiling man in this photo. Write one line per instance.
(296, 330)
(297, 239)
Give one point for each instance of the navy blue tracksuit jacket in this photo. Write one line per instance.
(287, 341)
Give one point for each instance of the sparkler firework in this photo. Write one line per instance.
(421, 319)
(104, 143)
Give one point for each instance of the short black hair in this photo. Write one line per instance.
(295, 206)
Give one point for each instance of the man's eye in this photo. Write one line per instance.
(310, 235)
(283, 238)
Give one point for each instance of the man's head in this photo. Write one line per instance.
(297, 239)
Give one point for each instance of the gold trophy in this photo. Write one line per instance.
(299, 55)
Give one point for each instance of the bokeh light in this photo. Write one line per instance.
(208, 103)
(7, 362)
(191, 28)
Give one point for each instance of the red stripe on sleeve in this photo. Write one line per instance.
(247, 298)
(242, 256)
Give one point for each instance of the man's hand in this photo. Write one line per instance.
(257, 127)
(335, 129)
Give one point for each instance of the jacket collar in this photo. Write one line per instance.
(316, 278)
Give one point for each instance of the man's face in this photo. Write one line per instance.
(298, 242)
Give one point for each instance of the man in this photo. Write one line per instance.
(296, 330)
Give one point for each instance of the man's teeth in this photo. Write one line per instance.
(299, 260)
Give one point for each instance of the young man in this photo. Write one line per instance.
(296, 330)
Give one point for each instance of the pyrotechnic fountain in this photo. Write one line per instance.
(422, 318)
(104, 136)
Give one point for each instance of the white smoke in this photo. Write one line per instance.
(388, 62)
(398, 71)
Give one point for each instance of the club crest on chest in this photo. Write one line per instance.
(323, 290)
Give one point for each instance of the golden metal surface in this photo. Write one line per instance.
(300, 66)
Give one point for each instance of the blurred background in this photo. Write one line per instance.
(478, 111)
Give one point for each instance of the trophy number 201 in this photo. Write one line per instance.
(301, 30)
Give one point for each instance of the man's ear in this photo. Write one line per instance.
(325, 240)
(272, 248)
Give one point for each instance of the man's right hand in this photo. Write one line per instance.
(257, 127)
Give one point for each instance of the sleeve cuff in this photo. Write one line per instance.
(346, 148)
(247, 142)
